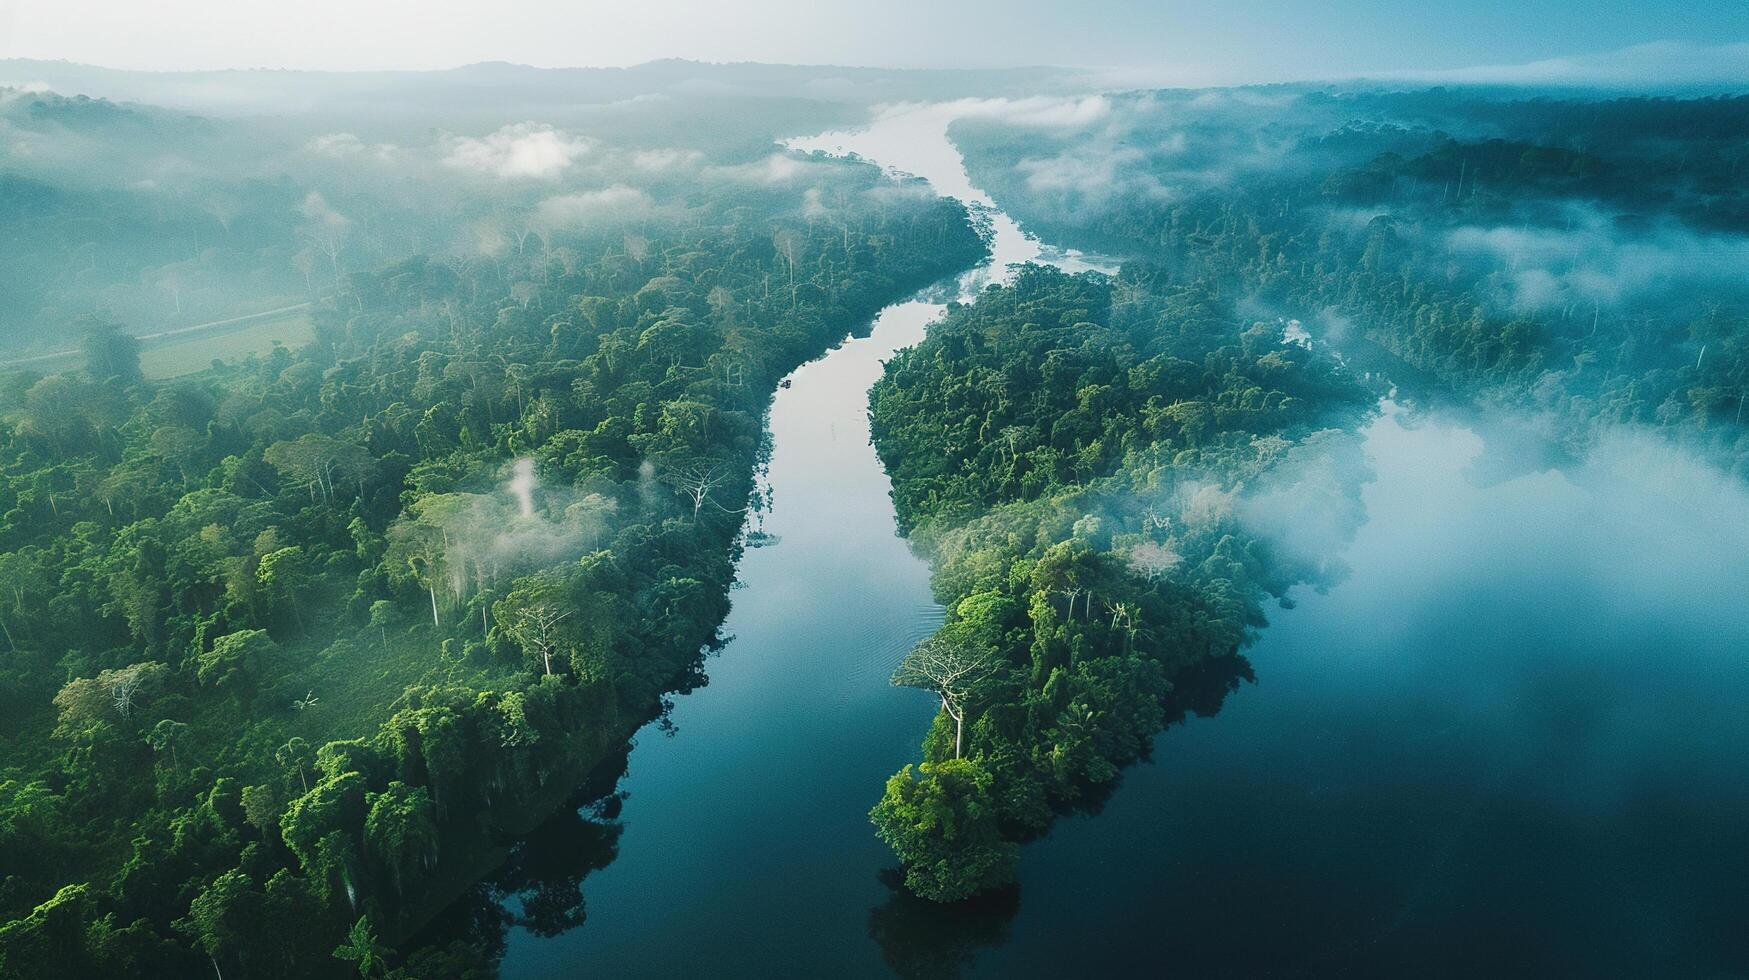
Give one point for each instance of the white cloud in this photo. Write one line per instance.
(346, 146)
(1093, 171)
(523, 150)
(610, 204)
(812, 204)
(1593, 263)
(778, 168)
(315, 208)
(1040, 111)
(664, 159)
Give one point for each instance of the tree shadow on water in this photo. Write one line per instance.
(543, 883)
(539, 887)
(1198, 690)
(930, 940)
(1201, 689)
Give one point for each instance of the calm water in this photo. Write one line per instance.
(1514, 739)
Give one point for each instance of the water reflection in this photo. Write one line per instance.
(1509, 741)
(747, 842)
(924, 940)
(539, 887)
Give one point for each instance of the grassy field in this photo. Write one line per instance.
(197, 353)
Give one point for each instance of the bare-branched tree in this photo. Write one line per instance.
(125, 688)
(697, 480)
(955, 669)
(537, 629)
(1152, 559)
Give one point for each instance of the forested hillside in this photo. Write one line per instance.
(294, 643)
(1580, 257)
(1111, 478)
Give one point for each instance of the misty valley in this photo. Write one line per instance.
(751, 520)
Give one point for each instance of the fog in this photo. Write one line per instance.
(239, 195)
(521, 527)
(1527, 694)
(1312, 441)
(1593, 262)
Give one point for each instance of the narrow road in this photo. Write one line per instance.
(168, 334)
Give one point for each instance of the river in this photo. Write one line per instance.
(1514, 738)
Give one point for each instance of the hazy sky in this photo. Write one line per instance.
(1190, 40)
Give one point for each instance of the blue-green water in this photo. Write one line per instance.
(1514, 740)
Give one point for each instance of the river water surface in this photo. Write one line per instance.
(746, 841)
(1515, 739)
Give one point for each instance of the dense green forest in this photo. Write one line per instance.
(1092, 465)
(1580, 257)
(293, 644)
(327, 660)
(1076, 455)
(163, 201)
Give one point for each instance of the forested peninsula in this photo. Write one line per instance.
(1087, 462)
(1076, 455)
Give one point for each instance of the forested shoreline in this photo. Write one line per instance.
(1573, 257)
(327, 659)
(1088, 463)
(1087, 521)
(294, 643)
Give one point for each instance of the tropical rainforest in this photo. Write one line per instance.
(376, 464)
(1574, 257)
(1076, 454)
(293, 641)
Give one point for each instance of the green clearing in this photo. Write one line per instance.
(200, 350)
(197, 352)
(355, 683)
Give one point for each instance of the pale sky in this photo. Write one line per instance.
(1183, 40)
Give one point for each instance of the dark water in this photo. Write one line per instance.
(743, 841)
(1514, 740)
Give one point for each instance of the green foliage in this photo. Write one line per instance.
(1556, 254)
(1073, 451)
(400, 832)
(1047, 383)
(111, 355)
(295, 592)
(235, 659)
(361, 948)
(943, 824)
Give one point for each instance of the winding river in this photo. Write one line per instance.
(746, 839)
(1514, 738)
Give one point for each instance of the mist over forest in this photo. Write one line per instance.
(161, 202)
(428, 499)
(1571, 255)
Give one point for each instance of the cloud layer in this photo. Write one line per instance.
(522, 150)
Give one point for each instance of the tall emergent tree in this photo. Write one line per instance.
(956, 666)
